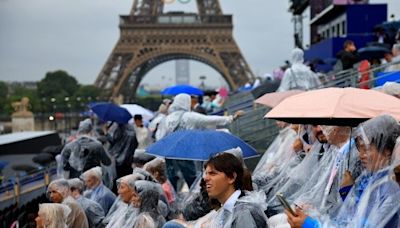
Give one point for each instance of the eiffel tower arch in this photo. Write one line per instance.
(149, 37)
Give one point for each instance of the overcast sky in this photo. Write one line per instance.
(37, 36)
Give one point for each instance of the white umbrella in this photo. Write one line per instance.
(135, 109)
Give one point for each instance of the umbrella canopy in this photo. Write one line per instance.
(43, 159)
(198, 145)
(3, 164)
(273, 99)
(23, 167)
(135, 109)
(335, 106)
(111, 112)
(372, 52)
(177, 89)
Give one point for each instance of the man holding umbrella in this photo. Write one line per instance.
(181, 118)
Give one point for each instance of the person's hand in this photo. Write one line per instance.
(297, 145)
(296, 221)
(347, 179)
(238, 114)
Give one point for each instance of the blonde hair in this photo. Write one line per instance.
(55, 214)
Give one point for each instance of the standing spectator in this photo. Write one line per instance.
(195, 106)
(181, 118)
(84, 152)
(299, 76)
(396, 58)
(142, 133)
(348, 56)
(123, 144)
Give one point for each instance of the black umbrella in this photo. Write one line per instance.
(43, 159)
(23, 167)
(373, 52)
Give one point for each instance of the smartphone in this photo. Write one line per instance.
(285, 204)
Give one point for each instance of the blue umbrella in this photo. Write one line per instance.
(198, 145)
(175, 90)
(111, 112)
(3, 164)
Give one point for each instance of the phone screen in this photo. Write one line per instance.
(285, 204)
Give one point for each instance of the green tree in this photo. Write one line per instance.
(3, 97)
(56, 83)
(55, 88)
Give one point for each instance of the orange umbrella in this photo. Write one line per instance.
(335, 106)
(273, 99)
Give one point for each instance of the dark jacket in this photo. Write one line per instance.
(348, 59)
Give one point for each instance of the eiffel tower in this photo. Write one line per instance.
(149, 37)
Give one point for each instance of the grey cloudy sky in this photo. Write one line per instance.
(37, 36)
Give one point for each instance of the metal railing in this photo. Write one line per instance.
(24, 187)
(260, 132)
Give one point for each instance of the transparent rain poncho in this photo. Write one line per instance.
(374, 200)
(180, 118)
(100, 194)
(314, 186)
(248, 212)
(149, 199)
(291, 179)
(123, 143)
(122, 214)
(299, 76)
(94, 212)
(278, 157)
(84, 152)
(76, 217)
(54, 215)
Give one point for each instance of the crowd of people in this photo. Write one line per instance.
(332, 176)
(310, 176)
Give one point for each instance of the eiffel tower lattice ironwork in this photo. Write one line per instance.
(149, 37)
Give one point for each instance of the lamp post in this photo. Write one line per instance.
(67, 113)
(54, 106)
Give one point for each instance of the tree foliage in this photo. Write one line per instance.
(57, 83)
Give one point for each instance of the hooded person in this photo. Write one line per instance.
(373, 200)
(291, 179)
(122, 212)
(59, 192)
(319, 192)
(123, 143)
(299, 76)
(94, 212)
(269, 164)
(52, 215)
(84, 152)
(133, 209)
(97, 191)
(181, 118)
(147, 200)
(156, 168)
